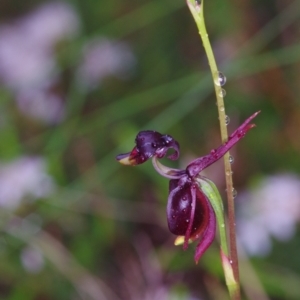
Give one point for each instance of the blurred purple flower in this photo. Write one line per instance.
(27, 58)
(32, 259)
(41, 103)
(52, 22)
(270, 210)
(24, 177)
(27, 45)
(102, 58)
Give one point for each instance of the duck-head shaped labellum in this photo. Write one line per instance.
(148, 144)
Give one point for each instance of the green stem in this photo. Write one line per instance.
(197, 12)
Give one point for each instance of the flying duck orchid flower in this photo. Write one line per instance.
(191, 213)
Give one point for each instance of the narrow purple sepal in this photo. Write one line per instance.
(199, 164)
(208, 235)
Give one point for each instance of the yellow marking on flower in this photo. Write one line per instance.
(179, 240)
(126, 161)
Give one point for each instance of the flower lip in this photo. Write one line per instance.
(150, 143)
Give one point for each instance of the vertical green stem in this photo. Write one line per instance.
(196, 9)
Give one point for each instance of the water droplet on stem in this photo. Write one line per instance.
(234, 192)
(222, 93)
(221, 79)
(227, 120)
(231, 159)
(198, 5)
(228, 173)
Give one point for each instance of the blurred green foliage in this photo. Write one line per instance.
(103, 233)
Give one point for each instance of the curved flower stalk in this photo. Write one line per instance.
(194, 204)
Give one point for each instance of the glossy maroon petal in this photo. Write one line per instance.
(208, 235)
(179, 206)
(192, 219)
(202, 202)
(199, 164)
(187, 209)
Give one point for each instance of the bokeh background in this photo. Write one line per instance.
(79, 79)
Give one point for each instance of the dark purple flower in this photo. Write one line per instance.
(189, 211)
